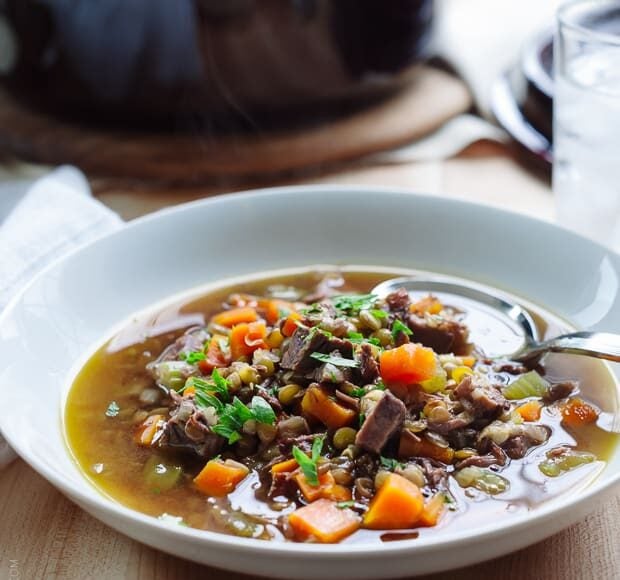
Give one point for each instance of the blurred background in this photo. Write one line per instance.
(158, 102)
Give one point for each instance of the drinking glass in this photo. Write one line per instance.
(586, 119)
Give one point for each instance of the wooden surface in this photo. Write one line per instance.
(43, 535)
(428, 100)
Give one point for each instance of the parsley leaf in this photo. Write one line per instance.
(263, 413)
(362, 418)
(307, 464)
(112, 410)
(358, 392)
(399, 327)
(358, 338)
(217, 386)
(337, 361)
(378, 313)
(192, 357)
(345, 504)
(351, 304)
(390, 464)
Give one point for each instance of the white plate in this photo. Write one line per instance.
(75, 303)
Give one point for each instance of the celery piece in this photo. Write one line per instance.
(530, 384)
(160, 475)
(556, 465)
(482, 479)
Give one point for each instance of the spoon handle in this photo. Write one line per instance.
(597, 344)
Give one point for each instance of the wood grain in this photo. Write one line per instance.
(51, 538)
(424, 104)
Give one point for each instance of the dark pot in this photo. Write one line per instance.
(146, 59)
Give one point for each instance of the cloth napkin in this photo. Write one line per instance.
(38, 224)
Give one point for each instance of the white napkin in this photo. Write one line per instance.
(55, 215)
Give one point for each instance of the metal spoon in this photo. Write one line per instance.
(520, 340)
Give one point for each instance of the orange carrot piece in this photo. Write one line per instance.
(428, 304)
(396, 506)
(469, 361)
(246, 338)
(290, 324)
(148, 429)
(413, 446)
(314, 492)
(276, 309)
(576, 413)
(324, 522)
(235, 316)
(316, 403)
(433, 510)
(284, 466)
(530, 411)
(337, 492)
(215, 357)
(409, 363)
(219, 478)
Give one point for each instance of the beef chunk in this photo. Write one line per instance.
(435, 473)
(559, 391)
(479, 400)
(455, 423)
(297, 356)
(495, 456)
(398, 300)
(193, 340)
(383, 421)
(441, 334)
(514, 439)
(369, 369)
(188, 430)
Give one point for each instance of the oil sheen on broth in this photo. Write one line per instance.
(101, 435)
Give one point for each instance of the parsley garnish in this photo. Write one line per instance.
(378, 313)
(390, 464)
(307, 464)
(345, 504)
(399, 327)
(358, 338)
(204, 390)
(231, 417)
(192, 357)
(351, 304)
(362, 418)
(337, 361)
(112, 410)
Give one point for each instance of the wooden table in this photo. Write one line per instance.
(43, 535)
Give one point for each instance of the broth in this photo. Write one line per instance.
(105, 448)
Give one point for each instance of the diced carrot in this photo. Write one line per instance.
(576, 413)
(338, 492)
(397, 505)
(276, 309)
(408, 364)
(314, 492)
(317, 403)
(148, 429)
(215, 357)
(290, 324)
(246, 338)
(324, 522)
(413, 446)
(433, 510)
(429, 304)
(235, 316)
(284, 466)
(219, 478)
(469, 361)
(530, 411)
(191, 390)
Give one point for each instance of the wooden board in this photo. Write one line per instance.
(427, 101)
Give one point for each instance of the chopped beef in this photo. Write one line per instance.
(304, 442)
(329, 373)
(383, 421)
(513, 438)
(347, 399)
(188, 430)
(283, 485)
(193, 340)
(297, 355)
(517, 447)
(455, 423)
(559, 391)
(460, 438)
(480, 400)
(399, 300)
(510, 367)
(494, 456)
(435, 473)
(369, 369)
(329, 286)
(441, 334)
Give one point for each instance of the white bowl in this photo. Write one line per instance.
(71, 307)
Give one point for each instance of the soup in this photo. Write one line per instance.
(303, 408)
